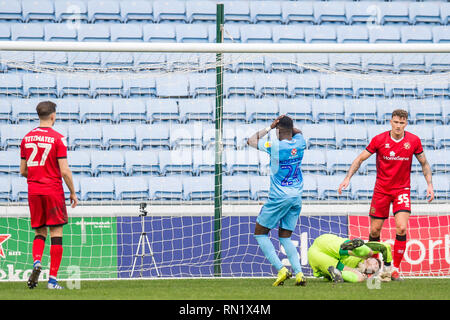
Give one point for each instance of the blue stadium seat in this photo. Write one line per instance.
(362, 187)
(27, 32)
(169, 11)
(39, 85)
(150, 61)
(320, 34)
(51, 59)
(310, 187)
(312, 61)
(298, 109)
(97, 189)
(351, 136)
(237, 11)
(403, 88)
(439, 160)
(329, 12)
(228, 136)
(107, 163)
(19, 189)
(5, 33)
(297, 12)
(186, 135)
(142, 163)
(265, 11)
(200, 11)
(319, 136)
(139, 87)
(241, 162)
(236, 188)
(162, 110)
(103, 11)
(446, 111)
(165, 188)
(404, 62)
(361, 12)
(173, 87)
(91, 32)
(176, 162)
(129, 110)
(424, 132)
(5, 112)
(445, 13)
(441, 136)
(385, 108)
(195, 110)
(328, 110)
(241, 63)
(192, 33)
(425, 111)
(256, 33)
(136, 11)
(59, 32)
(272, 85)
(25, 111)
(424, 13)
(84, 59)
(119, 137)
(126, 32)
(373, 88)
(70, 85)
(85, 136)
(335, 86)
(232, 33)
(11, 84)
(416, 34)
(131, 188)
(327, 188)
(14, 60)
(243, 132)
(5, 190)
(437, 62)
(373, 130)
(434, 89)
(182, 61)
(100, 111)
(314, 161)
(106, 87)
(203, 161)
(234, 110)
(352, 34)
(440, 185)
(441, 34)
(345, 62)
(198, 188)
(11, 135)
(71, 11)
(201, 84)
(80, 163)
(360, 111)
(304, 85)
(261, 110)
(154, 136)
(38, 11)
(384, 34)
(239, 85)
(382, 62)
(339, 161)
(393, 12)
(9, 163)
(11, 10)
(259, 187)
(288, 34)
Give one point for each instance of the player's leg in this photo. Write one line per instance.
(56, 252)
(402, 210)
(379, 211)
(37, 215)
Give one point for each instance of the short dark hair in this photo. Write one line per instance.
(400, 113)
(45, 108)
(286, 123)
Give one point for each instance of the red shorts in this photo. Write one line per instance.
(47, 210)
(381, 202)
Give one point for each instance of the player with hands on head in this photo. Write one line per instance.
(285, 195)
(394, 154)
(43, 153)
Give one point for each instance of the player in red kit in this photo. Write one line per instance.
(394, 149)
(43, 153)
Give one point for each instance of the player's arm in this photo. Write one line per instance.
(23, 168)
(363, 156)
(67, 176)
(296, 131)
(426, 169)
(253, 140)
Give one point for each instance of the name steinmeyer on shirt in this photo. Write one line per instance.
(40, 139)
(396, 158)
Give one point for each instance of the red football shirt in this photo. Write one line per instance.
(394, 159)
(42, 147)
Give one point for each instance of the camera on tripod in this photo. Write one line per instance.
(142, 210)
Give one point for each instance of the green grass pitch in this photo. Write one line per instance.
(231, 289)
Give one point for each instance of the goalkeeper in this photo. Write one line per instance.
(339, 259)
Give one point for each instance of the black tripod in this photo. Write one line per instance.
(143, 239)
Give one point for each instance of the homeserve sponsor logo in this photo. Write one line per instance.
(392, 156)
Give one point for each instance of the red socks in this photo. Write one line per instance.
(38, 248)
(399, 249)
(56, 251)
